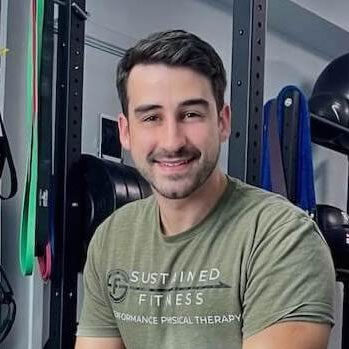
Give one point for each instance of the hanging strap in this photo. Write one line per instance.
(28, 217)
(303, 167)
(273, 176)
(5, 155)
(289, 142)
(293, 127)
(44, 238)
(278, 181)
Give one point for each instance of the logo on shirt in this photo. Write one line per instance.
(164, 288)
(118, 282)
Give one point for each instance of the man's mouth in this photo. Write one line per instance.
(179, 160)
(174, 162)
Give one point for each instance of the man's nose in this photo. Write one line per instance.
(173, 135)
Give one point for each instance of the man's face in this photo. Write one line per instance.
(173, 129)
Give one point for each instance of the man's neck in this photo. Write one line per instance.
(179, 215)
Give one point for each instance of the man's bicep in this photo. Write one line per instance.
(290, 278)
(290, 335)
(97, 343)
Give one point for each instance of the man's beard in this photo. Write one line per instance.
(188, 182)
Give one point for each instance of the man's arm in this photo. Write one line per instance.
(98, 343)
(290, 335)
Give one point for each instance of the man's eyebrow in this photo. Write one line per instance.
(146, 107)
(187, 103)
(194, 101)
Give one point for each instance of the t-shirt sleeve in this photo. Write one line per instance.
(97, 319)
(290, 277)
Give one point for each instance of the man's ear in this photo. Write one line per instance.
(224, 123)
(124, 131)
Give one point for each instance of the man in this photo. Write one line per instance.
(207, 261)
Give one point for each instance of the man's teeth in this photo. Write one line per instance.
(174, 163)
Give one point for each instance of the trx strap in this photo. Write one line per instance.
(305, 187)
(28, 217)
(5, 154)
(43, 237)
(295, 140)
(272, 174)
(290, 140)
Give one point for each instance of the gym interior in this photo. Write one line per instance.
(265, 47)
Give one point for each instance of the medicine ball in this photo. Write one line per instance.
(107, 185)
(330, 96)
(334, 224)
(332, 107)
(334, 79)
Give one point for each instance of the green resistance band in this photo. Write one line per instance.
(28, 216)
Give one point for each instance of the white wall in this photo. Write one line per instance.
(335, 11)
(134, 20)
(288, 63)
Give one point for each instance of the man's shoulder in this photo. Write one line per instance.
(262, 204)
(271, 217)
(250, 193)
(126, 219)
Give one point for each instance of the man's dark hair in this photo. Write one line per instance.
(176, 48)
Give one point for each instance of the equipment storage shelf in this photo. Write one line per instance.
(330, 134)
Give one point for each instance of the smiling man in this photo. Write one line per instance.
(207, 261)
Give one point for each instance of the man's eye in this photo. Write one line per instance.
(150, 118)
(190, 115)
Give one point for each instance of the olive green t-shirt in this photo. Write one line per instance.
(253, 261)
